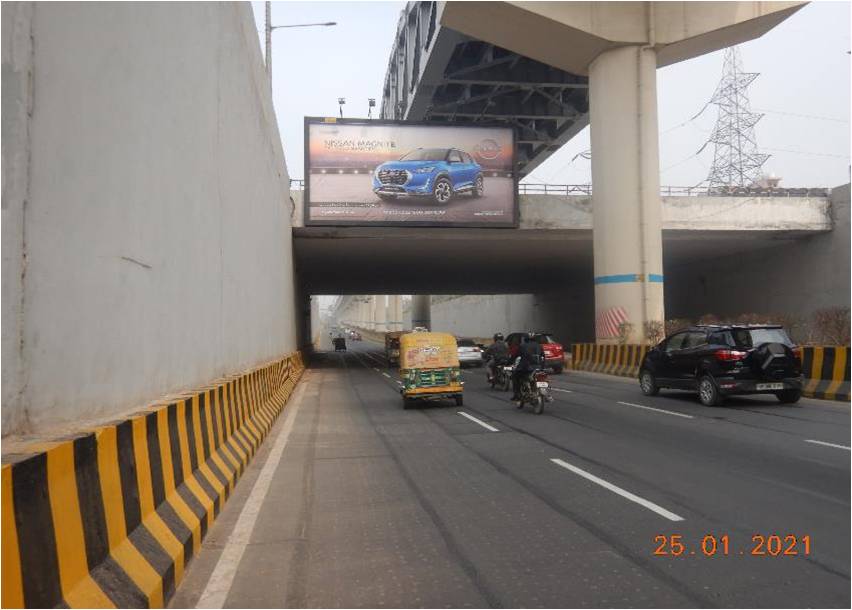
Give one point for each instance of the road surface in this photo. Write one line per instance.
(354, 502)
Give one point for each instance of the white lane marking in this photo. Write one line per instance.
(561, 390)
(386, 375)
(829, 444)
(398, 381)
(220, 581)
(478, 421)
(630, 404)
(621, 492)
(375, 369)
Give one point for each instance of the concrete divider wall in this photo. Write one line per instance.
(621, 360)
(111, 517)
(826, 369)
(826, 372)
(146, 212)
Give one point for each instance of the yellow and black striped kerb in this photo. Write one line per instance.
(826, 371)
(621, 360)
(110, 517)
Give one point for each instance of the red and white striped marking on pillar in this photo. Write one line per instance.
(608, 321)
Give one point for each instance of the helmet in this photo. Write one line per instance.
(498, 336)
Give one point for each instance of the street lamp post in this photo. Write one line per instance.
(268, 31)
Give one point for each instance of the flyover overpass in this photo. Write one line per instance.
(549, 69)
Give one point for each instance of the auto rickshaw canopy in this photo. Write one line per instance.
(428, 351)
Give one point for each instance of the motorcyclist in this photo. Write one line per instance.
(497, 354)
(529, 357)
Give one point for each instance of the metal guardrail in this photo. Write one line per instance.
(665, 191)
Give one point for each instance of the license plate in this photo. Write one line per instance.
(770, 386)
(542, 384)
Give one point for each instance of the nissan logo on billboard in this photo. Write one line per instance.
(488, 149)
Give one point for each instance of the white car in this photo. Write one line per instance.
(469, 353)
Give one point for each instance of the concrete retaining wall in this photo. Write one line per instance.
(794, 277)
(111, 517)
(146, 211)
(567, 315)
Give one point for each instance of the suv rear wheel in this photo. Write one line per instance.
(648, 383)
(788, 396)
(708, 393)
(479, 186)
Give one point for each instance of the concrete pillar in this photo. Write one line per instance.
(381, 316)
(421, 311)
(395, 312)
(398, 316)
(371, 320)
(626, 201)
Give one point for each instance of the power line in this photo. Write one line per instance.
(681, 162)
(804, 116)
(805, 152)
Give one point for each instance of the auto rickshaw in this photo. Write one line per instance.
(392, 346)
(429, 368)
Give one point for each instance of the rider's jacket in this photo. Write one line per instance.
(530, 356)
(499, 351)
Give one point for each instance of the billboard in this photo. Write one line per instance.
(364, 172)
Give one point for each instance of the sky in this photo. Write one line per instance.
(803, 89)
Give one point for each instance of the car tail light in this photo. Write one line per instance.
(551, 350)
(730, 355)
(798, 352)
(540, 376)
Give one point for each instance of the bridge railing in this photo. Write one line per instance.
(665, 191)
(679, 191)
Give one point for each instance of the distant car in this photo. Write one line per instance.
(469, 352)
(354, 335)
(725, 360)
(554, 353)
(437, 173)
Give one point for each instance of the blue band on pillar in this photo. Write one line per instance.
(628, 278)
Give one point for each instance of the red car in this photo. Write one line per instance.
(554, 356)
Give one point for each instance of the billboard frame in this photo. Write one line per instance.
(306, 193)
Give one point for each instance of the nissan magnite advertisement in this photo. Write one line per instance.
(361, 172)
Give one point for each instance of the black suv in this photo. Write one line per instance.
(724, 360)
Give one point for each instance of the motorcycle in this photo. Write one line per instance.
(535, 390)
(502, 377)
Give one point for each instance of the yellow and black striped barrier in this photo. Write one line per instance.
(826, 369)
(621, 360)
(110, 517)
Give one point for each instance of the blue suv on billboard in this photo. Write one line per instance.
(437, 173)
